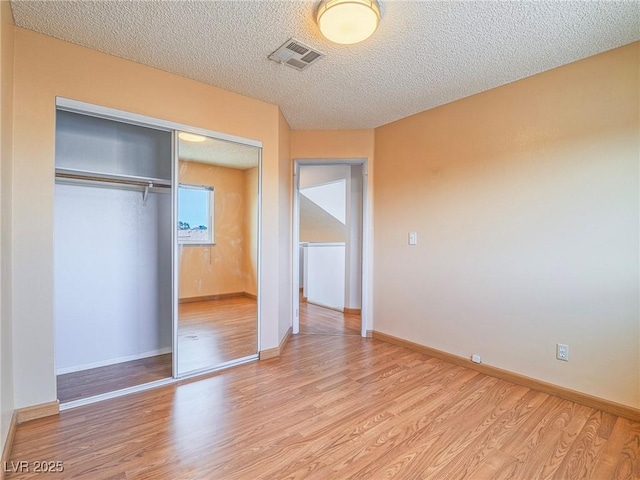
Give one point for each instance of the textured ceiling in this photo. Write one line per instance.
(424, 54)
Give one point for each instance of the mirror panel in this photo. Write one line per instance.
(217, 232)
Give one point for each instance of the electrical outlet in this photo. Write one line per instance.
(562, 352)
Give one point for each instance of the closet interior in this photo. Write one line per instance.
(113, 255)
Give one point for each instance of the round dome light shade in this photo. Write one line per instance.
(348, 21)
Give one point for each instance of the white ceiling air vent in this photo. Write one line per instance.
(296, 54)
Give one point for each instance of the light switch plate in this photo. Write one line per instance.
(413, 238)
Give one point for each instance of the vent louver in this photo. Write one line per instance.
(295, 54)
(297, 64)
(295, 47)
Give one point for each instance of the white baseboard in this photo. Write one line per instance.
(112, 361)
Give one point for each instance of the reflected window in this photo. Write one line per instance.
(195, 215)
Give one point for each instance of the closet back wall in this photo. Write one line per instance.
(110, 308)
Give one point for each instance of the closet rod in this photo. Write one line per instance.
(122, 181)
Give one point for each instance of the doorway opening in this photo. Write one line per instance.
(328, 246)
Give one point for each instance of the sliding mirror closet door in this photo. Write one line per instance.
(112, 255)
(217, 242)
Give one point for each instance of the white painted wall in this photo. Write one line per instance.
(325, 274)
(304, 268)
(112, 284)
(332, 197)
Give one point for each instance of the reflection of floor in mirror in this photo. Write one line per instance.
(216, 331)
(320, 320)
(96, 381)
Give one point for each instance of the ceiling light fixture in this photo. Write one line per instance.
(191, 137)
(348, 21)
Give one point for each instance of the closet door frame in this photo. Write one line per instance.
(108, 113)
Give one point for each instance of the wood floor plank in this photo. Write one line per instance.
(451, 442)
(335, 407)
(496, 466)
(607, 463)
(425, 431)
(458, 444)
(540, 452)
(417, 410)
(585, 449)
(628, 466)
(498, 433)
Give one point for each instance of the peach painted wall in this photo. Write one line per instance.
(220, 268)
(45, 68)
(525, 201)
(332, 143)
(6, 132)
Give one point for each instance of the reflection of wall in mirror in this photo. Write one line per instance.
(251, 231)
(229, 266)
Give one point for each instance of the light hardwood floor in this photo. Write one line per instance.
(334, 407)
(319, 320)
